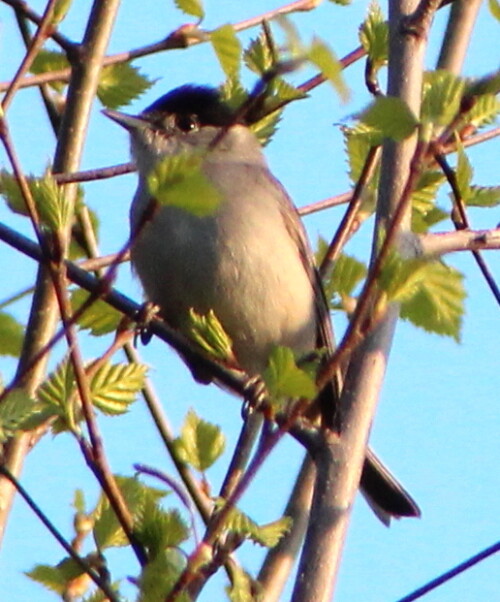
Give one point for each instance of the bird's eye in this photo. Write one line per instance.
(186, 123)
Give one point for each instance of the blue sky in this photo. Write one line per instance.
(438, 422)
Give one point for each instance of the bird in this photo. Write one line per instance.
(249, 260)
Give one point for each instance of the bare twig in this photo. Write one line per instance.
(452, 573)
(463, 222)
(81, 562)
(347, 224)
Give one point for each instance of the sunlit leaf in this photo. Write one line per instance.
(389, 117)
(374, 36)
(15, 408)
(120, 84)
(201, 443)
(100, 318)
(442, 94)
(193, 8)
(209, 334)
(11, 335)
(228, 49)
(179, 181)
(115, 386)
(325, 60)
(284, 379)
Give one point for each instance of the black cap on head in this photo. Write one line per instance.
(204, 102)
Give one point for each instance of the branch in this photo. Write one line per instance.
(441, 243)
(340, 458)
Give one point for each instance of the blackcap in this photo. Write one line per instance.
(249, 261)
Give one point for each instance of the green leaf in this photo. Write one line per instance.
(50, 200)
(464, 173)
(431, 293)
(358, 144)
(228, 49)
(11, 335)
(120, 84)
(115, 387)
(494, 7)
(374, 36)
(242, 588)
(424, 211)
(389, 117)
(441, 97)
(201, 443)
(209, 334)
(325, 60)
(100, 318)
(159, 576)
(484, 196)
(48, 61)
(179, 181)
(15, 408)
(484, 111)
(266, 535)
(61, 9)
(158, 529)
(107, 529)
(79, 501)
(258, 57)
(194, 8)
(56, 398)
(285, 380)
(266, 127)
(55, 578)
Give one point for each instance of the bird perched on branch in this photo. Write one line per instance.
(248, 259)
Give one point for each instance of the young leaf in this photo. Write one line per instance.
(56, 397)
(100, 318)
(201, 443)
(50, 60)
(179, 181)
(284, 379)
(11, 335)
(425, 213)
(115, 387)
(194, 8)
(374, 36)
(120, 84)
(158, 529)
(484, 196)
(107, 529)
(242, 588)
(266, 535)
(14, 410)
(323, 57)
(159, 576)
(441, 97)
(484, 111)
(54, 578)
(228, 49)
(266, 127)
(54, 210)
(494, 7)
(61, 9)
(431, 294)
(258, 56)
(464, 173)
(209, 334)
(389, 117)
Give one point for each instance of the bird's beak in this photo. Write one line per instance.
(129, 122)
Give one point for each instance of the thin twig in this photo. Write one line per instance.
(35, 47)
(346, 226)
(463, 223)
(452, 573)
(81, 562)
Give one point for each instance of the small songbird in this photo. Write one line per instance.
(249, 261)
